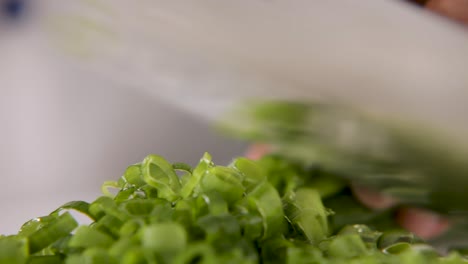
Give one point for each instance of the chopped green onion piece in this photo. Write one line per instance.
(182, 167)
(110, 225)
(13, 249)
(36, 224)
(224, 181)
(165, 239)
(267, 211)
(56, 229)
(109, 184)
(304, 209)
(192, 184)
(133, 175)
(87, 237)
(397, 248)
(139, 207)
(396, 236)
(346, 246)
(80, 206)
(158, 173)
(197, 252)
(266, 201)
(253, 173)
(55, 259)
(107, 205)
(136, 255)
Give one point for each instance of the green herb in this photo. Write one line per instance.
(270, 211)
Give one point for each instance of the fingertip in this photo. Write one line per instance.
(423, 223)
(372, 198)
(454, 9)
(256, 151)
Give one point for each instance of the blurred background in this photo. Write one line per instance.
(64, 130)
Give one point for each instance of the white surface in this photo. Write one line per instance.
(63, 131)
(382, 56)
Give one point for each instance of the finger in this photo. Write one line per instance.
(423, 223)
(371, 198)
(257, 151)
(455, 9)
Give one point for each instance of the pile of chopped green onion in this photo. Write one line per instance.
(267, 211)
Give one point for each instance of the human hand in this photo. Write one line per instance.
(423, 223)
